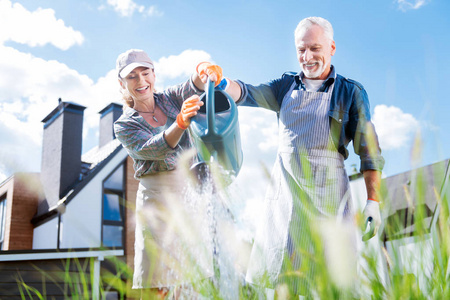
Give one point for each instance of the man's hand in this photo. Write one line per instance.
(372, 214)
(206, 69)
(188, 110)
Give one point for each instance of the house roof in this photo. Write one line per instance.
(92, 162)
(97, 155)
(411, 193)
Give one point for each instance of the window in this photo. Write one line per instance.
(114, 209)
(2, 219)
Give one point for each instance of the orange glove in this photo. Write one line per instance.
(214, 72)
(188, 110)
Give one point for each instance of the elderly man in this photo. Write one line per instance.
(319, 113)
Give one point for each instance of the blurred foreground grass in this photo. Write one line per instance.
(413, 266)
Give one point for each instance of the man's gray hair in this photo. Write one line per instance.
(306, 23)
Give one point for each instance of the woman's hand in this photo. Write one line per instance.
(206, 69)
(188, 110)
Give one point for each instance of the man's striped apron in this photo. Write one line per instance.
(308, 181)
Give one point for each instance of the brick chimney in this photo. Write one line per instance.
(108, 116)
(61, 151)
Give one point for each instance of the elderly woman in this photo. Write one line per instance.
(152, 130)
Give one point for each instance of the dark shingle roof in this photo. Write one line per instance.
(92, 162)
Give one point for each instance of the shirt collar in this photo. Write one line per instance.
(326, 84)
(129, 111)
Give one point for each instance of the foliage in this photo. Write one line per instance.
(408, 259)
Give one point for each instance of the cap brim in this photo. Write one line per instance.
(125, 71)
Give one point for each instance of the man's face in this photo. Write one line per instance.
(314, 53)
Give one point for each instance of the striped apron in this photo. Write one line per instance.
(308, 181)
(170, 246)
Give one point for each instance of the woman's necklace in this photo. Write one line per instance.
(149, 112)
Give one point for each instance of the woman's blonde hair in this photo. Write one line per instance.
(126, 97)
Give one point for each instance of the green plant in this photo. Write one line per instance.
(415, 256)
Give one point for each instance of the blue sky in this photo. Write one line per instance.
(396, 48)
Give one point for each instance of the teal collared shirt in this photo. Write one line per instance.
(325, 85)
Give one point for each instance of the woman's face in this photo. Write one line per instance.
(140, 83)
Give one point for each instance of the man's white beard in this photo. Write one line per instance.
(314, 74)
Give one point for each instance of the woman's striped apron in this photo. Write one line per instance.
(308, 180)
(170, 246)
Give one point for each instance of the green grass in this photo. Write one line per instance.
(420, 272)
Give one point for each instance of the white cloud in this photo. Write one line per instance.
(152, 11)
(178, 66)
(259, 140)
(259, 131)
(395, 128)
(126, 8)
(36, 28)
(29, 90)
(20, 148)
(405, 5)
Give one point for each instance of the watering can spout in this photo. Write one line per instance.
(215, 131)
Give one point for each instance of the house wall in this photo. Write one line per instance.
(131, 190)
(413, 255)
(7, 190)
(27, 190)
(45, 236)
(59, 274)
(81, 223)
(46, 277)
(81, 220)
(22, 191)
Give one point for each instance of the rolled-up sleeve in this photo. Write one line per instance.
(141, 144)
(363, 134)
(177, 95)
(268, 95)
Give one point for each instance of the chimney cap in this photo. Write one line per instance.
(109, 107)
(62, 106)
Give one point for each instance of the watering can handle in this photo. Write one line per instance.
(210, 108)
(370, 230)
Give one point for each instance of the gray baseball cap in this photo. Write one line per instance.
(131, 59)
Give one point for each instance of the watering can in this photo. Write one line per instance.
(215, 132)
(370, 230)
